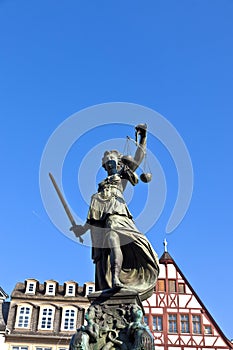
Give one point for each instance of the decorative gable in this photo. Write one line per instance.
(177, 317)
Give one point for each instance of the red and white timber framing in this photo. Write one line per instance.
(177, 317)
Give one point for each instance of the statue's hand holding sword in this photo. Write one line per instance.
(78, 230)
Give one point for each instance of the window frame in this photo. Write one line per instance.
(161, 283)
(172, 282)
(146, 319)
(70, 289)
(50, 288)
(210, 327)
(183, 288)
(25, 316)
(30, 286)
(194, 323)
(48, 318)
(69, 318)
(186, 322)
(157, 317)
(92, 289)
(173, 322)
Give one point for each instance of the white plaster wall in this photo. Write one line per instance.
(198, 339)
(174, 348)
(159, 347)
(157, 310)
(172, 338)
(3, 345)
(220, 342)
(152, 299)
(162, 273)
(146, 309)
(193, 303)
(171, 273)
(209, 341)
(186, 338)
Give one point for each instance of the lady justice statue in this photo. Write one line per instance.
(122, 255)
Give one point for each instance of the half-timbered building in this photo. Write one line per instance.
(177, 317)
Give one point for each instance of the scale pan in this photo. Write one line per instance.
(129, 161)
(146, 177)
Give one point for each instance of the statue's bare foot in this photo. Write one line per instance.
(116, 283)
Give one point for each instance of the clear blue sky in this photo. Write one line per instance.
(174, 56)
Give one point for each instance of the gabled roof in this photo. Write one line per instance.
(166, 258)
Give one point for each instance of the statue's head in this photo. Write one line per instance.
(111, 161)
(90, 314)
(136, 313)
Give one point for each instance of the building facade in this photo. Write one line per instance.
(45, 316)
(177, 317)
(4, 307)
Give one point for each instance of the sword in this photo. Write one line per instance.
(65, 206)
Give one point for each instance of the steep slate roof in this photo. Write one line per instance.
(20, 288)
(166, 258)
(4, 308)
(3, 294)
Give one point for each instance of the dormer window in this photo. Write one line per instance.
(50, 287)
(31, 286)
(90, 288)
(70, 289)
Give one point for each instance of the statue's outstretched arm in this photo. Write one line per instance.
(141, 131)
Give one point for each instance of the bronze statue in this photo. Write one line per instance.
(122, 255)
(86, 335)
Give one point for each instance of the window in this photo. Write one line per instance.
(50, 289)
(70, 289)
(146, 321)
(157, 323)
(90, 289)
(40, 348)
(69, 319)
(30, 286)
(172, 286)
(196, 324)
(19, 348)
(181, 288)
(208, 330)
(184, 322)
(172, 323)
(46, 318)
(161, 285)
(23, 317)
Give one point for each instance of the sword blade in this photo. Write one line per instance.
(65, 206)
